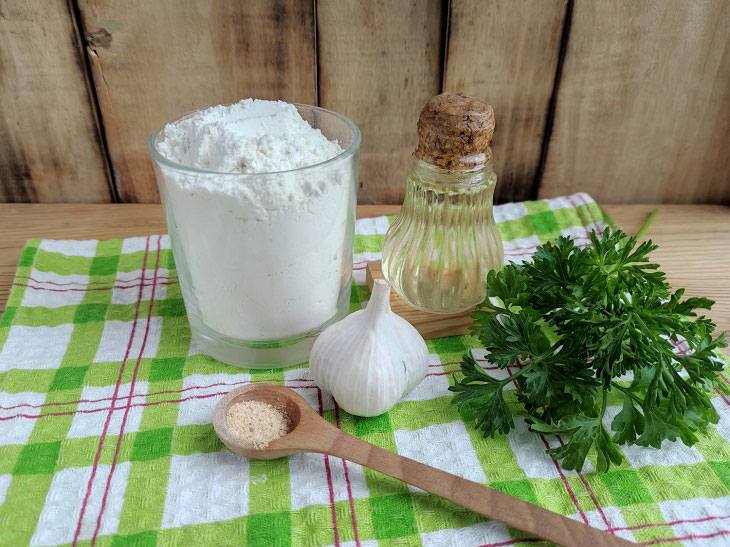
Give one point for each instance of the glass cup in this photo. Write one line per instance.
(264, 260)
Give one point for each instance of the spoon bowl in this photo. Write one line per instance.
(293, 405)
(309, 432)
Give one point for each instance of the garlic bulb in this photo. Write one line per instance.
(371, 358)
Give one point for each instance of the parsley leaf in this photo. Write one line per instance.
(577, 324)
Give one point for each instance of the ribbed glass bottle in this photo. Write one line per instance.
(440, 248)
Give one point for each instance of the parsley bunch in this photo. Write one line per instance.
(577, 322)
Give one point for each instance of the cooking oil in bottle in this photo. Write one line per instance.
(440, 248)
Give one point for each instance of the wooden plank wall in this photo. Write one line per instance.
(643, 113)
(50, 140)
(153, 61)
(508, 53)
(628, 100)
(379, 62)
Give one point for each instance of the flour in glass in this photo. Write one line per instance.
(264, 253)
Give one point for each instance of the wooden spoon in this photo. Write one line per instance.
(308, 432)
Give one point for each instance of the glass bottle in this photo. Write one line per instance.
(440, 248)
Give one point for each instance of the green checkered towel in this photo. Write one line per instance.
(105, 433)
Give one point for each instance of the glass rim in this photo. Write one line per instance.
(349, 151)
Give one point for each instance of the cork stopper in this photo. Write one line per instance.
(454, 131)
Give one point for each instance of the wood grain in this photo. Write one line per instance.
(506, 52)
(430, 325)
(153, 61)
(50, 144)
(642, 108)
(309, 432)
(694, 249)
(379, 62)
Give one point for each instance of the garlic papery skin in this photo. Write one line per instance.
(371, 358)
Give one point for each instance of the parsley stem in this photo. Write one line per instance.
(627, 392)
(520, 372)
(646, 225)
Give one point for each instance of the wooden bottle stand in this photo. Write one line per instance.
(430, 325)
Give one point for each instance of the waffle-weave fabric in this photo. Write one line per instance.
(105, 433)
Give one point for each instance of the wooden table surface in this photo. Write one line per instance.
(694, 240)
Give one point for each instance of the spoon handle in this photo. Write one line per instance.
(476, 497)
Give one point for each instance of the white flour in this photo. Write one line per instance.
(252, 136)
(265, 253)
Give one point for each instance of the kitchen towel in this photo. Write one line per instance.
(105, 434)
